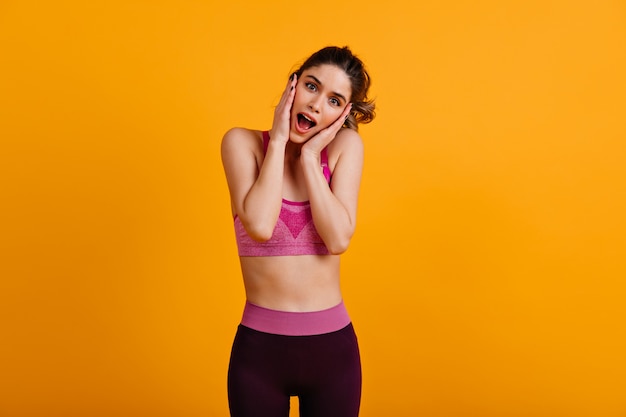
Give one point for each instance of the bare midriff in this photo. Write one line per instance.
(300, 283)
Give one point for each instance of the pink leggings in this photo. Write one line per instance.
(323, 370)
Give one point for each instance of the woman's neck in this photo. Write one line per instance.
(293, 151)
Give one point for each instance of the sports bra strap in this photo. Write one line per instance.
(323, 155)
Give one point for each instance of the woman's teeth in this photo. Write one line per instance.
(304, 122)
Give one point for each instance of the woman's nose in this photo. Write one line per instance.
(314, 105)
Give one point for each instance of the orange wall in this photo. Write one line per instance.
(486, 278)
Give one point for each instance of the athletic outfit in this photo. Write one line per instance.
(278, 354)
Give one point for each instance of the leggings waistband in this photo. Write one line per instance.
(290, 323)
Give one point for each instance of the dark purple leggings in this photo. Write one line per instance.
(324, 371)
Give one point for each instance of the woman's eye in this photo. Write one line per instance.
(334, 101)
(311, 86)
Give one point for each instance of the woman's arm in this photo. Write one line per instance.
(256, 193)
(334, 209)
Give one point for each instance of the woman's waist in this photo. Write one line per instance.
(293, 293)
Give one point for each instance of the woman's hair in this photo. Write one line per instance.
(362, 107)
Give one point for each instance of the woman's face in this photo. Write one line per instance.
(322, 93)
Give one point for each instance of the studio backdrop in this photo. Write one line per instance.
(486, 275)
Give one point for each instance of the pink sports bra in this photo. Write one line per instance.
(294, 233)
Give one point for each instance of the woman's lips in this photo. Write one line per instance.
(304, 122)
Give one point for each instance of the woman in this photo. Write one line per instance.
(294, 196)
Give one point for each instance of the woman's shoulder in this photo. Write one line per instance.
(242, 135)
(347, 146)
(349, 137)
(346, 140)
(240, 139)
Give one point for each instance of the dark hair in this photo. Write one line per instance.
(362, 108)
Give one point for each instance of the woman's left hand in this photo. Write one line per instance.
(324, 137)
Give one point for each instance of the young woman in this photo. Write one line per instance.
(294, 196)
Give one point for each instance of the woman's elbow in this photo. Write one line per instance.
(338, 246)
(260, 233)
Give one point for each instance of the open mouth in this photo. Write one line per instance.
(304, 123)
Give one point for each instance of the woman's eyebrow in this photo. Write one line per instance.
(320, 83)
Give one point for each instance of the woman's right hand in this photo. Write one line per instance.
(282, 114)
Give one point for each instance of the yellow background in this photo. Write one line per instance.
(486, 277)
